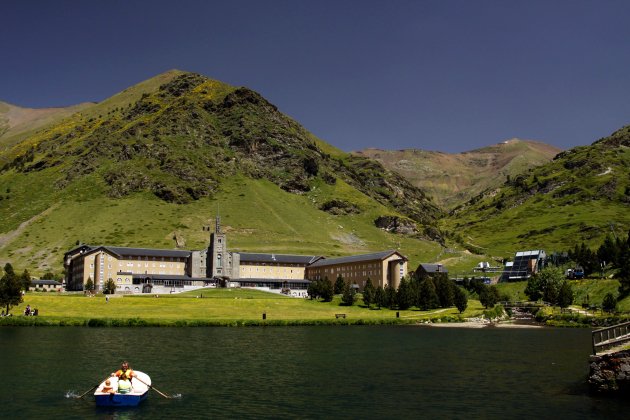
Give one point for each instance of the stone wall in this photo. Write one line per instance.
(610, 373)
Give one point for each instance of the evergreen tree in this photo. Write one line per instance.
(109, 287)
(326, 290)
(10, 289)
(608, 252)
(89, 285)
(368, 293)
(404, 298)
(25, 279)
(460, 298)
(623, 275)
(427, 296)
(609, 304)
(339, 285)
(444, 289)
(565, 295)
(348, 296)
(379, 297)
(489, 296)
(390, 296)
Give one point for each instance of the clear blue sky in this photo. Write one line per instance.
(443, 75)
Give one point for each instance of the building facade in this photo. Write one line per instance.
(143, 270)
(385, 268)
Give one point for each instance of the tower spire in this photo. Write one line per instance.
(217, 226)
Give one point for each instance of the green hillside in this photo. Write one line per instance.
(163, 157)
(582, 195)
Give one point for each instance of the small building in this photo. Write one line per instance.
(45, 285)
(425, 269)
(525, 264)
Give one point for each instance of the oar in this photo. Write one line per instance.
(86, 392)
(153, 388)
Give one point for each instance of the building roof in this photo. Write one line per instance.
(168, 277)
(120, 251)
(357, 258)
(45, 282)
(434, 268)
(278, 258)
(301, 281)
(533, 253)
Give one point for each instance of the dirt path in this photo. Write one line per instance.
(8, 237)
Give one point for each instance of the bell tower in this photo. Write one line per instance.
(217, 259)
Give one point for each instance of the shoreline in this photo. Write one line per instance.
(478, 323)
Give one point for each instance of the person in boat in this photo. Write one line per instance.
(107, 388)
(124, 375)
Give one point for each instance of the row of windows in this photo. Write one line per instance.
(264, 270)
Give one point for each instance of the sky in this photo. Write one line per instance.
(443, 75)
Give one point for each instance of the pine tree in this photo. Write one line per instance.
(368, 293)
(390, 296)
(339, 285)
(89, 285)
(623, 275)
(326, 290)
(25, 279)
(379, 297)
(427, 296)
(566, 295)
(609, 304)
(403, 295)
(348, 296)
(460, 299)
(444, 289)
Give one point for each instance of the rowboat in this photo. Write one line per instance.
(140, 390)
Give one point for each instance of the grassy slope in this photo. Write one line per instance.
(257, 215)
(581, 196)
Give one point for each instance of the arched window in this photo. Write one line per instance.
(219, 261)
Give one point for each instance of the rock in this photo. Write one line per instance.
(610, 373)
(396, 224)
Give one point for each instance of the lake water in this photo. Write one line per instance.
(305, 372)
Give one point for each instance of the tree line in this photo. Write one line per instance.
(613, 253)
(422, 291)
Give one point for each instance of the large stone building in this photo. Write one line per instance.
(382, 268)
(142, 270)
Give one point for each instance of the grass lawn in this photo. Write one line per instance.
(218, 306)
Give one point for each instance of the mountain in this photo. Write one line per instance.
(453, 179)
(582, 195)
(158, 160)
(17, 122)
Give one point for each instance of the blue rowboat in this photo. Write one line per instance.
(112, 398)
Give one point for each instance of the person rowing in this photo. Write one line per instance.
(124, 375)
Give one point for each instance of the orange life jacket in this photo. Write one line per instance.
(124, 374)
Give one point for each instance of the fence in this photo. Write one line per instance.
(609, 337)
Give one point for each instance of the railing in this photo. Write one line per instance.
(509, 304)
(609, 337)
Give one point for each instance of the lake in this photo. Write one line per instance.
(400, 372)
